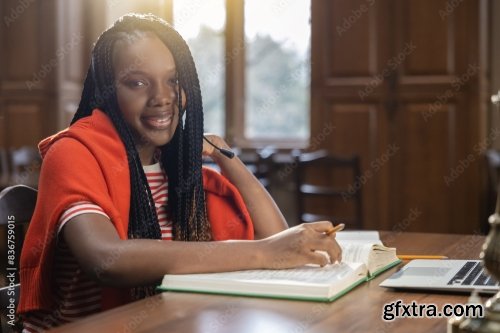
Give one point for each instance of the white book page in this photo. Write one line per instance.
(309, 274)
(355, 251)
(304, 282)
(371, 237)
(305, 274)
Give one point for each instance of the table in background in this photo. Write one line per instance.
(358, 311)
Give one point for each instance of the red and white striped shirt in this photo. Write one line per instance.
(77, 295)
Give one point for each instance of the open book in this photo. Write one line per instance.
(364, 256)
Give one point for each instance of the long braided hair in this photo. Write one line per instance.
(180, 158)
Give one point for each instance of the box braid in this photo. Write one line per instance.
(181, 157)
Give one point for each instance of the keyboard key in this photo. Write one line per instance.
(462, 272)
(491, 281)
(473, 274)
(482, 279)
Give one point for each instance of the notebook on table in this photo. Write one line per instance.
(443, 275)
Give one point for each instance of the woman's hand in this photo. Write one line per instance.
(208, 149)
(299, 245)
(265, 214)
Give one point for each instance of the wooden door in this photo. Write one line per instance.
(399, 81)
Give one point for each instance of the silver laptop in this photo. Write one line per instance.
(443, 275)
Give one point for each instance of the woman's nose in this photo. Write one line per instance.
(162, 94)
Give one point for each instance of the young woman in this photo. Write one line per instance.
(123, 198)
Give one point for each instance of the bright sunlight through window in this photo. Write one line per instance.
(277, 72)
(202, 24)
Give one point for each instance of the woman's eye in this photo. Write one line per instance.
(135, 83)
(173, 81)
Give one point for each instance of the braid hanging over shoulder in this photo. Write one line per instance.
(181, 157)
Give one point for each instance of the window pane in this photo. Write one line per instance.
(202, 24)
(277, 34)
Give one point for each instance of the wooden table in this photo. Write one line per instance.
(358, 311)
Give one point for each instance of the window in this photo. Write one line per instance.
(253, 61)
(277, 36)
(202, 24)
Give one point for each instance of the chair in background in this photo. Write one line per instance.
(332, 181)
(17, 204)
(264, 165)
(25, 165)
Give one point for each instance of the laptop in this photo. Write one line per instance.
(443, 275)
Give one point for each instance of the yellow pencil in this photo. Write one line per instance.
(335, 229)
(419, 256)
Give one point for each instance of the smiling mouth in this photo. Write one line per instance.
(159, 122)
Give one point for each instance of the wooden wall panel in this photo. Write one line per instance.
(21, 39)
(73, 59)
(431, 33)
(355, 23)
(2, 54)
(415, 85)
(26, 70)
(356, 124)
(43, 45)
(72, 42)
(24, 124)
(427, 150)
(3, 131)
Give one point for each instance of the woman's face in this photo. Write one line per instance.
(146, 89)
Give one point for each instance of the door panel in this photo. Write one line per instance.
(425, 153)
(425, 25)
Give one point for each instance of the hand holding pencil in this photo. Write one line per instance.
(300, 245)
(334, 229)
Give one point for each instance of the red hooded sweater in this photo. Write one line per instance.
(88, 162)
